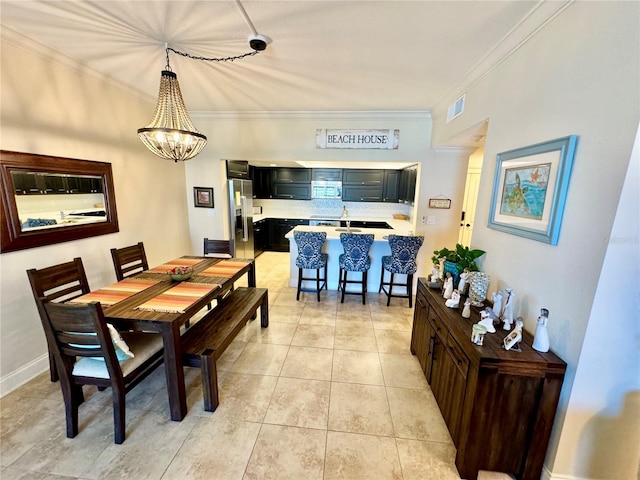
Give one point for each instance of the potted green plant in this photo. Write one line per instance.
(456, 261)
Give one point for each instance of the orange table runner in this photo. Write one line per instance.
(184, 262)
(114, 293)
(225, 268)
(177, 299)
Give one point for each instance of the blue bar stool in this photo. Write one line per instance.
(402, 261)
(310, 257)
(354, 259)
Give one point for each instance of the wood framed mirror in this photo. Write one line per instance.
(47, 200)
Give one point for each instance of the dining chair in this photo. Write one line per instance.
(128, 261)
(57, 283)
(354, 259)
(106, 358)
(219, 248)
(402, 261)
(310, 257)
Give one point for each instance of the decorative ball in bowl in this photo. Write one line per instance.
(180, 273)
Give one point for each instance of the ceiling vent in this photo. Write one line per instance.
(455, 109)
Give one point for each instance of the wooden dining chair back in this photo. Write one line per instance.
(219, 248)
(128, 261)
(104, 357)
(56, 284)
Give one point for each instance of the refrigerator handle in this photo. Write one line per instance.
(245, 219)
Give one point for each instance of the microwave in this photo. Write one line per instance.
(326, 189)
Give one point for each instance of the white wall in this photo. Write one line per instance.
(578, 75)
(291, 137)
(54, 107)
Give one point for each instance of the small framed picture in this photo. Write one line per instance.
(203, 197)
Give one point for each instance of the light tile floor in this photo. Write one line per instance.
(328, 391)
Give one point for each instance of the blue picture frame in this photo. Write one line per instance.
(530, 189)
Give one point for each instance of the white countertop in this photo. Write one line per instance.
(400, 227)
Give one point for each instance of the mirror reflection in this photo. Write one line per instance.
(52, 200)
(49, 200)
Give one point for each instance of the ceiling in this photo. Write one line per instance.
(325, 55)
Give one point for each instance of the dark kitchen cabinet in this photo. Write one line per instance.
(261, 182)
(326, 174)
(407, 185)
(391, 187)
(279, 227)
(30, 183)
(363, 177)
(362, 193)
(238, 169)
(260, 236)
(291, 175)
(498, 405)
(291, 191)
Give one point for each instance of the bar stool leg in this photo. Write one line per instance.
(343, 275)
(381, 278)
(364, 287)
(299, 283)
(318, 283)
(390, 290)
(410, 289)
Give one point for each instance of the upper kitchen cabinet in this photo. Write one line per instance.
(362, 185)
(326, 174)
(391, 190)
(362, 177)
(291, 175)
(237, 169)
(261, 182)
(407, 185)
(33, 183)
(291, 183)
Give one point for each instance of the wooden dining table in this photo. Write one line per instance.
(127, 314)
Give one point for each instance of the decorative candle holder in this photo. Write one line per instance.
(478, 287)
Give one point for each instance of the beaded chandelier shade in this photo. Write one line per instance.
(171, 133)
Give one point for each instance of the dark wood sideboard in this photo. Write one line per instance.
(498, 405)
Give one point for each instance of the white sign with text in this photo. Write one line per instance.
(379, 139)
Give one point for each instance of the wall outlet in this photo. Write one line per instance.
(424, 219)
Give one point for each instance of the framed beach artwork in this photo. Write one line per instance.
(530, 189)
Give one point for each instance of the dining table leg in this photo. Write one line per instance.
(174, 371)
(251, 275)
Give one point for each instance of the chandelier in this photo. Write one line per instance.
(171, 133)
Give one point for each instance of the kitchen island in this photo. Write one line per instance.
(333, 247)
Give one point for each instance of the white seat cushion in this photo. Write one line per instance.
(143, 345)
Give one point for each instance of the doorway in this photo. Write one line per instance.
(470, 200)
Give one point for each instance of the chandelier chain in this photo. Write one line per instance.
(211, 59)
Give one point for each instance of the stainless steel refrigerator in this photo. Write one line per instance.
(241, 216)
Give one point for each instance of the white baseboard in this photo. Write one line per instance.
(19, 377)
(547, 475)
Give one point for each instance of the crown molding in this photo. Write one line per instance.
(536, 19)
(315, 115)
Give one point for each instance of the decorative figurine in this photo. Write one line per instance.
(496, 298)
(462, 284)
(477, 334)
(486, 319)
(454, 301)
(466, 311)
(448, 286)
(507, 311)
(541, 338)
(435, 274)
(512, 340)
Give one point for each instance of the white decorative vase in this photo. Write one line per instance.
(478, 287)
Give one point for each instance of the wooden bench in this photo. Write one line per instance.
(206, 341)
